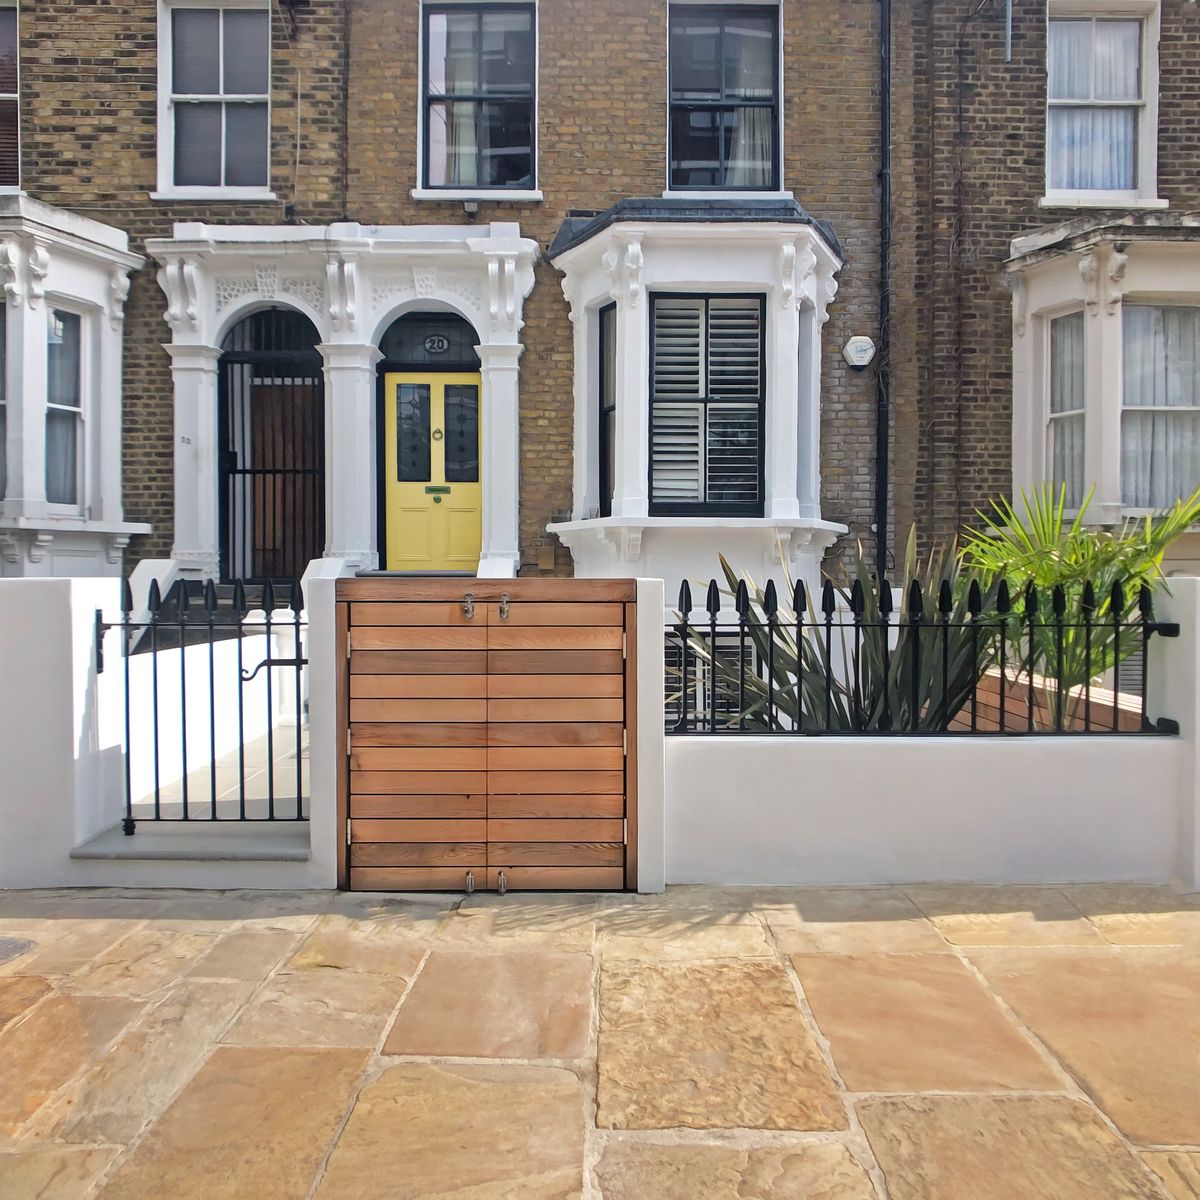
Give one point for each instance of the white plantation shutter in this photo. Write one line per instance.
(707, 393)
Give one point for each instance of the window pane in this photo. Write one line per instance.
(676, 453)
(507, 152)
(1066, 363)
(1160, 457)
(696, 57)
(1118, 60)
(10, 145)
(1070, 60)
(462, 433)
(246, 145)
(195, 37)
(8, 49)
(1093, 149)
(453, 54)
(748, 135)
(62, 469)
(1066, 457)
(508, 54)
(1161, 356)
(695, 148)
(453, 152)
(247, 53)
(750, 57)
(3, 450)
(64, 345)
(412, 433)
(732, 453)
(608, 406)
(198, 145)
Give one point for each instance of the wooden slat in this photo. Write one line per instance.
(577, 807)
(430, 612)
(418, 662)
(558, 614)
(418, 854)
(501, 637)
(421, 783)
(399, 758)
(551, 829)
(555, 710)
(554, 758)
(388, 637)
(567, 687)
(371, 830)
(551, 734)
(562, 879)
(421, 711)
(557, 854)
(548, 590)
(432, 687)
(390, 733)
(428, 807)
(415, 879)
(517, 783)
(554, 662)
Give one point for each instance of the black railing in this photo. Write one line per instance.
(214, 704)
(970, 659)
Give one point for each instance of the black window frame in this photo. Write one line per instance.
(477, 98)
(705, 508)
(723, 12)
(606, 413)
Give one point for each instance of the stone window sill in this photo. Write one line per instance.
(458, 195)
(1100, 200)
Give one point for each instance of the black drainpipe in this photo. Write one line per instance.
(883, 371)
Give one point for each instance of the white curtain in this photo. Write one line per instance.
(62, 471)
(1091, 146)
(1067, 406)
(1160, 427)
(452, 59)
(750, 75)
(752, 149)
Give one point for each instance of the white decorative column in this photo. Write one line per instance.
(1103, 357)
(500, 460)
(350, 473)
(585, 332)
(197, 530)
(107, 498)
(785, 429)
(631, 474)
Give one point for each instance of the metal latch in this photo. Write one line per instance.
(470, 882)
(504, 599)
(469, 606)
(502, 883)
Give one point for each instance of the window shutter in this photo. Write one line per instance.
(734, 348)
(676, 464)
(678, 349)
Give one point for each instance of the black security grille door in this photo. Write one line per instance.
(272, 438)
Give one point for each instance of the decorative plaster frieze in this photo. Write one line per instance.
(309, 289)
(425, 279)
(266, 280)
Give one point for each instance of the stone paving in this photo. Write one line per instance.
(757, 1044)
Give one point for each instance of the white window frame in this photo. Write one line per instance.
(87, 375)
(167, 188)
(10, 189)
(1145, 195)
(474, 194)
(1048, 415)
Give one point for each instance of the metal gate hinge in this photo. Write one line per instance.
(347, 743)
(625, 742)
(624, 645)
(348, 839)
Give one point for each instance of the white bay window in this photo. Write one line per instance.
(1065, 422)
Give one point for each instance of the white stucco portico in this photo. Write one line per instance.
(352, 281)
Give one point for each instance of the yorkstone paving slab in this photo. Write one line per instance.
(62, 946)
(641, 1171)
(419, 914)
(917, 1022)
(254, 1122)
(137, 1078)
(1125, 1025)
(1005, 916)
(145, 961)
(376, 947)
(1140, 916)
(462, 1132)
(672, 929)
(244, 954)
(18, 994)
(318, 1008)
(53, 1172)
(850, 921)
(520, 1004)
(708, 1046)
(1178, 1169)
(1000, 1148)
(560, 922)
(58, 1040)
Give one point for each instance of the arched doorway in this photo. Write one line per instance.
(272, 447)
(431, 491)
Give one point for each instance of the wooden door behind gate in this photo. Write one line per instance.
(489, 727)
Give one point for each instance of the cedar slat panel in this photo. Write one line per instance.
(420, 711)
(546, 590)
(557, 879)
(557, 854)
(420, 783)
(548, 734)
(372, 830)
(429, 687)
(415, 879)
(578, 807)
(388, 637)
(564, 687)
(417, 854)
(558, 614)
(554, 662)
(389, 733)
(555, 710)
(418, 662)
(555, 758)
(430, 808)
(400, 758)
(517, 783)
(500, 637)
(551, 829)
(431, 612)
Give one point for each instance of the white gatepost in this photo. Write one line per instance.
(197, 528)
(26, 369)
(500, 557)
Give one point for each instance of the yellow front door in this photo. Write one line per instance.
(432, 495)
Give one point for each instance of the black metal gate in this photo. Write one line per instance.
(272, 447)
